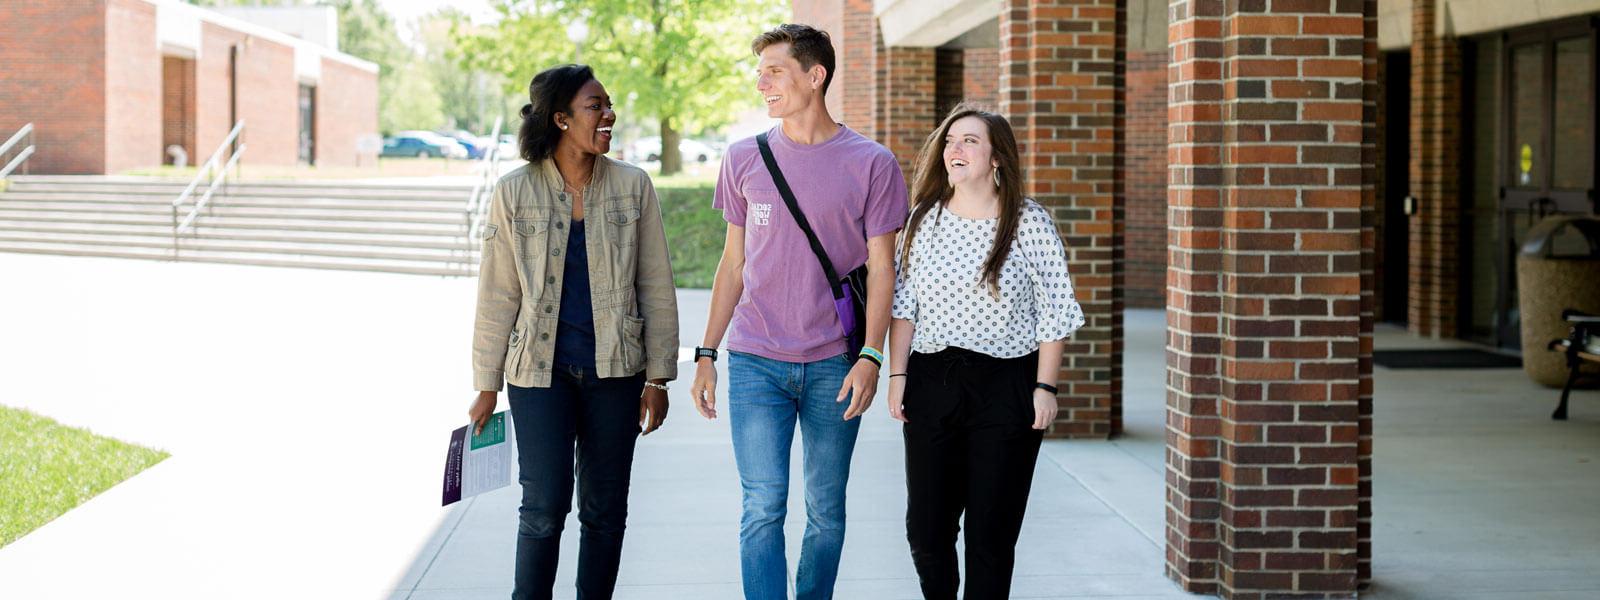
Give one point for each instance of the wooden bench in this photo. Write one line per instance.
(1578, 348)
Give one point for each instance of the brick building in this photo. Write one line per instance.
(112, 84)
(1246, 164)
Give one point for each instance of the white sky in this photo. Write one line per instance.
(406, 12)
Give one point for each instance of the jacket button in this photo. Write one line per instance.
(544, 336)
(560, 225)
(543, 365)
(562, 196)
(547, 309)
(550, 279)
(556, 252)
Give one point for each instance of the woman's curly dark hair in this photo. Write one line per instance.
(551, 92)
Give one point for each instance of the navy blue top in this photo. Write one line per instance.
(575, 332)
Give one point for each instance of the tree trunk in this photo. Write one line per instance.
(671, 158)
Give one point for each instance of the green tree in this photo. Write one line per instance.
(469, 98)
(687, 63)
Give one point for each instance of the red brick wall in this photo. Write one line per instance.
(1269, 308)
(133, 86)
(60, 88)
(1061, 85)
(1147, 180)
(346, 109)
(1435, 165)
(177, 106)
(268, 98)
(908, 103)
(981, 75)
(828, 16)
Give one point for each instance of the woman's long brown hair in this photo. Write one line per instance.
(931, 187)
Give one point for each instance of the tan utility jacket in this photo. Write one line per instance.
(519, 279)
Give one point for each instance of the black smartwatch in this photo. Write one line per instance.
(700, 353)
(1047, 387)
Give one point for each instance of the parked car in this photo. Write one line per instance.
(409, 145)
(476, 146)
(452, 148)
(649, 150)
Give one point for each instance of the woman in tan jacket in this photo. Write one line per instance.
(576, 310)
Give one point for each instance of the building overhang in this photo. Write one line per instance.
(178, 32)
(930, 23)
(1461, 18)
(974, 23)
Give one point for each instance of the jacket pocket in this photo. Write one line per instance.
(532, 239)
(624, 223)
(632, 344)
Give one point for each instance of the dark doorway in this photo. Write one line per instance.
(308, 125)
(1396, 240)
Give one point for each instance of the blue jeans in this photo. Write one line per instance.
(766, 397)
(596, 422)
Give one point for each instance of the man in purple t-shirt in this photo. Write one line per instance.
(788, 360)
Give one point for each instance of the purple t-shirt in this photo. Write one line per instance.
(850, 189)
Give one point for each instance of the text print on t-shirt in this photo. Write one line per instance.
(761, 212)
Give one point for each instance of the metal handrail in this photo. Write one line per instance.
(211, 188)
(477, 203)
(180, 226)
(25, 132)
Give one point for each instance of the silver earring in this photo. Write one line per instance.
(995, 175)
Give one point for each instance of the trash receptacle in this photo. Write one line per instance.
(1558, 268)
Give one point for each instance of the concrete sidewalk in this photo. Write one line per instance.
(307, 413)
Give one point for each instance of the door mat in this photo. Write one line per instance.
(1454, 358)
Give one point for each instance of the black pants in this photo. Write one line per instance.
(970, 447)
(600, 417)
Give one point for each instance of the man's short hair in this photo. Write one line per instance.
(807, 44)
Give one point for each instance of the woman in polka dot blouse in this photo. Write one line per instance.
(982, 309)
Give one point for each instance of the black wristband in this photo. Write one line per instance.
(894, 375)
(874, 360)
(700, 353)
(1047, 387)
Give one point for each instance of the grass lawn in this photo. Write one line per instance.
(694, 229)
(47, 468)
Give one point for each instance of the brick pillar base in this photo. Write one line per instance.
(1061, 85)
(1269, 370)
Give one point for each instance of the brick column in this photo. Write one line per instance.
(1435, 164)
(1269, 308)
(856, 61)
(1061, 85)
(908, 102)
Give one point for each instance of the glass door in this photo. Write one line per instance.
(1549, 164)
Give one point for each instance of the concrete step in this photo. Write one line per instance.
(421, 183)
(344, 264)
(203, 245)
(131, 199)
(140, 233)
(298, 213)
(419, 229)
(390, 195)
(217, 223)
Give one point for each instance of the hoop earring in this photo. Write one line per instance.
(995, 175)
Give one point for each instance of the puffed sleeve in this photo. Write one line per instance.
(1057, 307)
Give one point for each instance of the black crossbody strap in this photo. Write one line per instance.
(799, 217)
